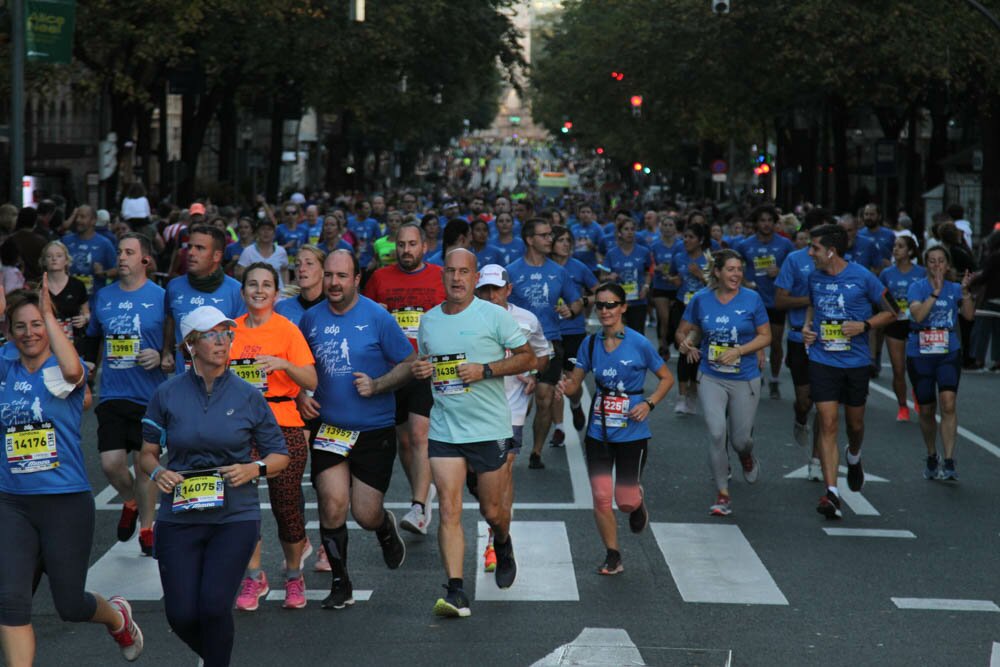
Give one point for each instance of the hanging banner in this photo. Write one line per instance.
(49, 30)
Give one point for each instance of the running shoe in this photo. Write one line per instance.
(855, 474)
(127, 521)
(306, 552)
(414, 521)
(948, 473)
(558, 438)
(723, 506)
(829, 506)
(535, 462)
(429, 505)
(751, 467)
(680, 408)
(322, 562)
(775, 387)
(903, 414)
(393, 549)
(489, 559)
(579, 419)
(612, 564)
(638, 518)
(341, 595)
(932, 470)
(814, 472)
(295, 593)
(129, 638)
(146, 541)
(801, 434)
(251, 592)
(455, 604)
(506, 570)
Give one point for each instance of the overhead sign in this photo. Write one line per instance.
(48, 34)
(553, 179)
(719, 167)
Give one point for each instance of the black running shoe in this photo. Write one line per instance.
(638, 518)
(506, 570)
(579, 419)
(855, 475)
(126, 523)
(558, 438)
(535, 462)
(829, 506)
(455, 604)
(612, 564)
(393, 549)
(341, 595)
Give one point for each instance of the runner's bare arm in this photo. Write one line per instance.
(400, 374)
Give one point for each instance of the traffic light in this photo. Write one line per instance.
(599, 151)
(567, 126)
(618, 76)
(636, 102)
(720, 6)
(637, 166)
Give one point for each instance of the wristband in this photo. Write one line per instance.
(868, 326)
(156, 471)
(933, 295)
(652, 406)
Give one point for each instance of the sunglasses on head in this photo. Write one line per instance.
(607, 305)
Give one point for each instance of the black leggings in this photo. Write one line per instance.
(635, 317)
(626, 459)
(50, 533)
(201, 567)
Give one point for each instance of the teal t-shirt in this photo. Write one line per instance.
(482, 333)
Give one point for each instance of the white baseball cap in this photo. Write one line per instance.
(493, 274)
(204, 318)
(103, 218)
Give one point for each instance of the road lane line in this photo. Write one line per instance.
(995, 655)
(124, 571)
(857, 502)
(800, 473)
(715, 563)
(985, 444)
(578, 477)
(278, 594)
(545, 569)
(868, 532)
(944, 604)
(595, 646)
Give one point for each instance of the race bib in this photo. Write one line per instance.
(335, 440)
(615, 408)
(715, 352)
(832, 336)
(446, 381)
(202, 490)
(250, 371)
(933, 341)
(687, 297)
(582, 244)
(87, 280)
(314, 239)
(121, 348)
(67, 327)
(631, 290)
(762, 263)
(904, 309)
(408, 320)
(31, 447)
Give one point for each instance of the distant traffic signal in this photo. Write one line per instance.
(637, 166)
(618, 76)
(720, 6)
(567, 126)
(600, 151)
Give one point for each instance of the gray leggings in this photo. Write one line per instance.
(730, 407)
(51, 534)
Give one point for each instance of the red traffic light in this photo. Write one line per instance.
(600, 151)
(764, 168)
(568, 125)
(618, 76)
(636, 166)
(636, 101)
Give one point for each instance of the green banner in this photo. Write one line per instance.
(49, 30)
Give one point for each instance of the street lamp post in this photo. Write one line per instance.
(16, 130)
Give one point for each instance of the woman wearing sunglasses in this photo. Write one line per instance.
(209, 517)
(617, 437)
(723, 329)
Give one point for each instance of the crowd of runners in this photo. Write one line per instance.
(221, 346)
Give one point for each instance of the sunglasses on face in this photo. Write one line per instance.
(216, 336)
(607, 305)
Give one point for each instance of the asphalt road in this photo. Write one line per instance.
(767, 586)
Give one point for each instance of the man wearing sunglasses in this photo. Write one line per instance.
(547, 290)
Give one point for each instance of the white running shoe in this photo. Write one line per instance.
(801, 433)
(814, 472)
(415, 521)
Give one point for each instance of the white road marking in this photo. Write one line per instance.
(943, 604)
(544, 564)
(869, 532)
(985, 444)
(800, 473)
(578, 477)
(995, 655)
(855, 500)
(124, 571)
(715, 563)
(595, 646)
(278, 595)
(314, 525)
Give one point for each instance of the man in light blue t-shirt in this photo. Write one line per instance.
(463, 345)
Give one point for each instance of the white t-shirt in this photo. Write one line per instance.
(278, 259)
(965, 227)
(137, 208)
(514, 388)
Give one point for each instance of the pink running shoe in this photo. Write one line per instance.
(251, 593)
(295, 593)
